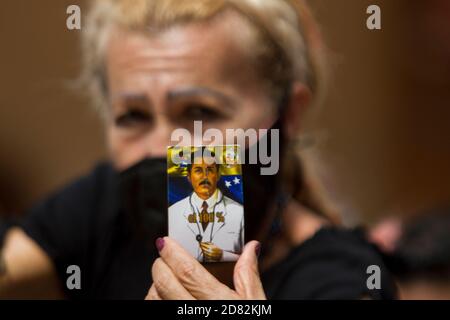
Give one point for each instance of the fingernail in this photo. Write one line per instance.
(258, 249)
(159, 244)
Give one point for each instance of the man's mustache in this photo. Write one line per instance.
(205, 182)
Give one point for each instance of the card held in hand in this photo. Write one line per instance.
(205, 199)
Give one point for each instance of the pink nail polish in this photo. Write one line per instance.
(159, 244)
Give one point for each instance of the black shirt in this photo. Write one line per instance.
(331, 265)
(82, 225)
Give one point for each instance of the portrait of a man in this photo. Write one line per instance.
(206, 222)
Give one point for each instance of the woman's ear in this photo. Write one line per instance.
(298, 103)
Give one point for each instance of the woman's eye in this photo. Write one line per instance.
(199, 112)
(132, 118)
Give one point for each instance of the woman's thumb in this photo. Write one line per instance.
(246, 275)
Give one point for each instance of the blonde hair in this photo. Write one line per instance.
(288, 48)
(288, 44)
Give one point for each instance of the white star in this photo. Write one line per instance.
(236, 180)
(227, 183)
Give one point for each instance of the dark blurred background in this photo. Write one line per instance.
(386, 117)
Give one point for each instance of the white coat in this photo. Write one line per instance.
(226, 231)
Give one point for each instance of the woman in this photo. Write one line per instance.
(157, 65)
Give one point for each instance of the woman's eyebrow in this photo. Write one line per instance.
(201, 92)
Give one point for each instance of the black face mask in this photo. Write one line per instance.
(143, 190)
(260, 191)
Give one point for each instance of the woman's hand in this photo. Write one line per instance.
(177, 275)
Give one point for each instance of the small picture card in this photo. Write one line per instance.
(206, 201)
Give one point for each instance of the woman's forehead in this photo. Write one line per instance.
(214, 45)
(201, 52)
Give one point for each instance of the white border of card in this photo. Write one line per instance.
(205, 201)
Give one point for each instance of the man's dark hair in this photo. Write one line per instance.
(199, 154)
